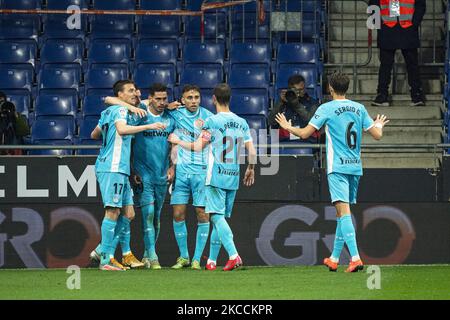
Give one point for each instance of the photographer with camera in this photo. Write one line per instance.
(13, 126)
(297, 106)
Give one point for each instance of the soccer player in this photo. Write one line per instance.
(189, 177)
(112, 169)
(151, 151)
(344, 121)
(224, 133)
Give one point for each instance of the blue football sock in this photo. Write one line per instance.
(348, 232)
(179, 228)
(98, 249)
(148, 215)
(108, 227)
(202, 238)
(225, 234)
(117, 231)
(125, 235)
(214, 245)
(338, 241)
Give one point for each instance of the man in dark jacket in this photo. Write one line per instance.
(297, 106)
(400, 21)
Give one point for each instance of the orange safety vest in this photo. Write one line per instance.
(406, 13)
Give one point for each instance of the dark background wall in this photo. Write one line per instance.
(403, 216)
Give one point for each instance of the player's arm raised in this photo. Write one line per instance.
(123, 129)
(198, 145)
(114, 101)
(303, 133)
(377, 129)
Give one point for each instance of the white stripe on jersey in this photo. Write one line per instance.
(210, 165)
(330, 151)
(117, 153)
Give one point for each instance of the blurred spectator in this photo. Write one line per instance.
(400, 21)
(297, 106)
(13, 126)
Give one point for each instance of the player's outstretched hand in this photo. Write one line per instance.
(173, 138)
(174, 105)
(138, 111)
(157, 126)
(249, 178)
(281, 119)
(381, 120)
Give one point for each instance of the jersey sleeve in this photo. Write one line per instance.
(319, 118)
(207, 129)
(367, 121)
(247, 135)
(121, 114)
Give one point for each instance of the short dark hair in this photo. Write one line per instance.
(157, 87)
(190, 87)
(339, 82)
(222, 92)
(295, 79)
(119, 86)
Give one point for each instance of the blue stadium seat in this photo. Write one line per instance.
(114, 5)
(252, 6)
(242, 76)
(16, 76)
(52, 129)
(62, 51)
(51, 152)
(204, 77)
(55, 25)
(284, 71)
(299, 53)
(20, 4)
(15, 26)
(93, 105)
(250, 101)
(159, 27)
(212, 31)
(250, 53)
(246, 25)
(300, 5)
(109, 51)
(21, 99)
(89, 152)
(256, 122)
(157, 51)
(52, 103)
(21, 51)
(160, 5)
(103, 76)
(311, 29)
(112, 26)
(146, 74)
(203, 53)
(294, 151)
(206, 100)
(64, 4)
(59, 76)
(86, 128)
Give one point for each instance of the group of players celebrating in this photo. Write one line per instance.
(153, 144)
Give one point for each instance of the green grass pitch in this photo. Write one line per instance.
(277, 283)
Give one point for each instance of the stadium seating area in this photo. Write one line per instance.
(58, 77)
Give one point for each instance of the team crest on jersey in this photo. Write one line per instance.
(116, 198)
(199, 123)
(123, 112)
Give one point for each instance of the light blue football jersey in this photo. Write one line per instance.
(228, 133)
(344, 122)
(151, 148)
(114, 154)
(188, 128)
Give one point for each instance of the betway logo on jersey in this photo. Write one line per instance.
(228, 172)
(156, 133)
(350, 161)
